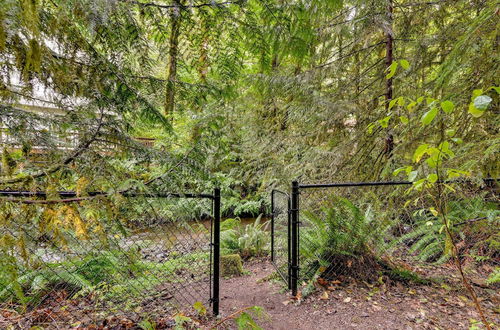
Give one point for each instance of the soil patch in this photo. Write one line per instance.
(354, 305)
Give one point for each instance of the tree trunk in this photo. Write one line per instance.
(389, 53)
(172, 61)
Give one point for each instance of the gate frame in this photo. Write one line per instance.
(289, 243)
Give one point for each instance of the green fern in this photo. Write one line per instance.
(428, 240)
(494, 277)
(248, 241)
(36, 283)
(339, 228)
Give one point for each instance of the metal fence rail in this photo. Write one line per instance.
(129, 256)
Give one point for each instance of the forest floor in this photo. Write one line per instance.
(354, 305)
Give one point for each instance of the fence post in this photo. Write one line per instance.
(272, 225)
(217, 204)
(294, 212)
(289, 243)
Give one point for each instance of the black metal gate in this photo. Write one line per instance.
(280, 234)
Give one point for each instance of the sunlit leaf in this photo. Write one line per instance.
(385, 122)
(482, 102)
(475, 112)
(447, 106)
(432, 178)
(405, 64)
(429, 116)
(392, 70)
(476, 93)
(412, 176)
(420, 152)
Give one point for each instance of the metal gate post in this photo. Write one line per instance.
(216, 251)
(272, 225)
(294, 212)
(289, 243)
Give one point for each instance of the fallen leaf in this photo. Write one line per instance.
(324, 296)
(322, 282)
(348, 299)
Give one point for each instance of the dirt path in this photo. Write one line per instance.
(348, 307)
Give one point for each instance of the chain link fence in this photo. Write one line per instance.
(347, 232)
(101, 260)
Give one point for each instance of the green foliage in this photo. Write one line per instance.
(248, 241)
(30, 287)
(113, 276)
(246, 319)
(200, 308)
(337, 230)
(265, 91)
(146, 325)
(428, 240)
(405, 275)
(494, 277)
(182, 321)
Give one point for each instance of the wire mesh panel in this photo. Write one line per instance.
(362, 231)
(90, 262)
(343, 231)
(280, 231)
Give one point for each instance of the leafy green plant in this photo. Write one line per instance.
(35, 283)
(200, 309)
(494, 277)
(182, 321)
(244, 318)
(146, 325)
(339, 231)
(247, 241)
(442, 164)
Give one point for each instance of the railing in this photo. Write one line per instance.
(64, 142)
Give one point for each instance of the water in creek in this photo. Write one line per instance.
(155, 243)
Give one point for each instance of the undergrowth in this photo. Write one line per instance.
(248, 241)
(473, 221)
(109, 275)
(341, 239)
